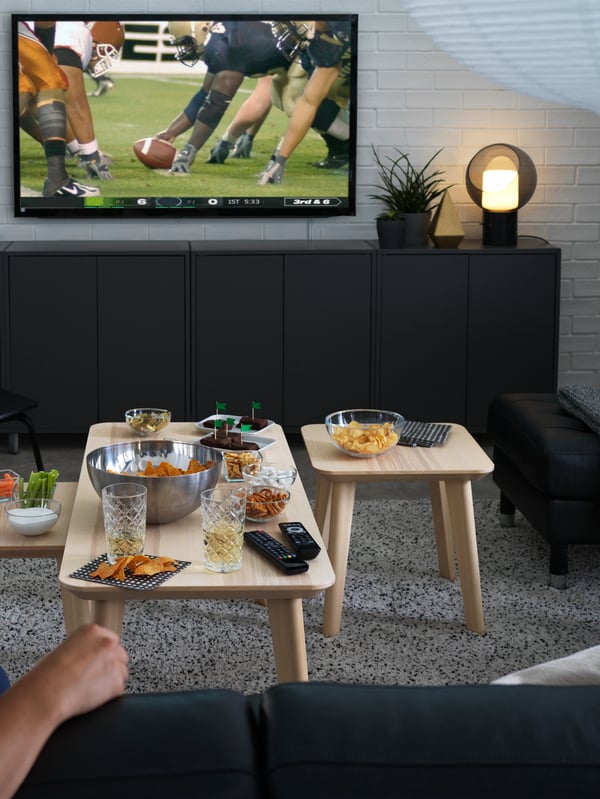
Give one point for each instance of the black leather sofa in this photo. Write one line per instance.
(325, 741)
(547, 465)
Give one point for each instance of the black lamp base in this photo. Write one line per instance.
(499, 228)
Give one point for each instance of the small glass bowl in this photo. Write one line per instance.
(363, 432)
(147, 421)
(265, 503)
(234, 463)
(10, 485)
(32, 516)
(274, 475)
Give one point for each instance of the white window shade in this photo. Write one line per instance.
(545, 48)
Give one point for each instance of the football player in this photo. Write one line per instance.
(231, 51)
(331, 119)
(79, 47)
(326, 50)
(43, 83)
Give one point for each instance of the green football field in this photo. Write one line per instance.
(142, 105)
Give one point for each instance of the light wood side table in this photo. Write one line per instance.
(448, 469)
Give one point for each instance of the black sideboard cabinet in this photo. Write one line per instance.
(92, 328)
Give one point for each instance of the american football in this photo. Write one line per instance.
(154, 153)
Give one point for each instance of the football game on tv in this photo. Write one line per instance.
(179, 117)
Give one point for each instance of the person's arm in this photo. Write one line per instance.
(317, 88)
(85, 671)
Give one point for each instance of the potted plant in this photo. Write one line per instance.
(409, 196)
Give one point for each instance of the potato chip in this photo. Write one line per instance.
(135, 566)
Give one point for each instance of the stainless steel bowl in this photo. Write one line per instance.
(169, 498)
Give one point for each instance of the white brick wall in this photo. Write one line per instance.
(419, 99)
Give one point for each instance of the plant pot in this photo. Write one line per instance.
(416, 228)
(390, 233)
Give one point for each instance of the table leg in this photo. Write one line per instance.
(289, 645)
(462, 520)
(442, 528)
(340, 527)
(322, 505)
(109, 613)
(76, 611)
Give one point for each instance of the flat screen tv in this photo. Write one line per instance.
(239, 116)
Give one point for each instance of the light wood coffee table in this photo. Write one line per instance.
(448, 469)
(47, 545)
(257, 579)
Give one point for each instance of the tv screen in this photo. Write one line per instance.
(188, 118)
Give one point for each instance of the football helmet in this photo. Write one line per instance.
(189, 40)
(108, 38)
(291, 36)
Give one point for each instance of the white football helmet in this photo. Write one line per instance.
(189, 39)
(108, 37)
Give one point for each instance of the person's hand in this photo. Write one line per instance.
(182, 165)
(96, 165)
(85, 671)
(165, 135)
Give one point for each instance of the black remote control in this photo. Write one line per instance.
(301, 540)
(274, 550)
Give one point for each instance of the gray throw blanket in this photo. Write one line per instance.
(582, 402)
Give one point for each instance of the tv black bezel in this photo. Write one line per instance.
(195, 214)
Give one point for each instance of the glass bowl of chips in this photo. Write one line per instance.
(363, 432)
(147, 421)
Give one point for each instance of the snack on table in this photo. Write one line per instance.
(136, 566)
(356, 437)
(9, 484)
(254, 422)
(234, 462)
(266, 503)
(164, 469)
(221, 439)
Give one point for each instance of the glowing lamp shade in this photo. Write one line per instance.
(500, 179)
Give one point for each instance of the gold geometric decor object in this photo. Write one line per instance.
(446, 229)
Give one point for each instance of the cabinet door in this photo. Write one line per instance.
(512, 328)
(143, 334)
(423, 335)
(237, 326)
(53, 339)
(327, 329)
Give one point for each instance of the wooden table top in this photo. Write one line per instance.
(47, 545)
(460, 457)
(182, 539)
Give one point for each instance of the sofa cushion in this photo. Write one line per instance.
(556, 452)
(156, 746)
(580, 668)
(347, 741)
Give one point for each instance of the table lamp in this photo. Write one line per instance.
(500, 180)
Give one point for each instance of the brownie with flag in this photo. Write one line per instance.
(254, 421)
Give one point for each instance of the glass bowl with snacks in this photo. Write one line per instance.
(147, 421)
(235, 462)
(264, 503)
(274, 475)
(9, 485)
(364, 433)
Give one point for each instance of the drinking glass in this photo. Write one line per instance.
(223, 516)
(124, 509)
